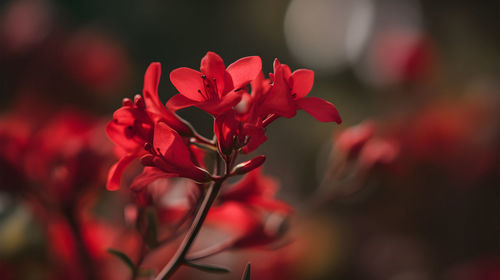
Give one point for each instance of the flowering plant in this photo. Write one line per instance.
(242, 103)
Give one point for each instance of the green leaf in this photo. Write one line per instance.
(208, 267)
(151, 235)
(124, 258)
(246, 273)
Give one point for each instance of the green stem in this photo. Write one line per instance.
(87, 264)
(179, 258)
(210, 251)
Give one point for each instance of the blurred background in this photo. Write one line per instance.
(407, 187)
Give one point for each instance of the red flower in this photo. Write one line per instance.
(282, 95)
(66, 156)
(96, 61)
(226, 128)
(352, 140)
(235, 131)
(215, 89)
(133, 124)
(257, 191)
(288, 94)
(379, 151)
(173, 198)
(248, 210)
(154, 106)
(170, 154)
(248, 227)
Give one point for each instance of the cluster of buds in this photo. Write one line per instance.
(243, 103)
(356, 151)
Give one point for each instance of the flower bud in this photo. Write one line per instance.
(248, 166)
(147, 160)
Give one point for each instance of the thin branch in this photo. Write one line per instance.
(179, 258)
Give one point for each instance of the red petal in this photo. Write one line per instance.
(320, 109)
(220, 106)
(257, 136)
(234, 217)
(260, 85)
(279, 99)
(148, 175)
(188, 81)
(179, 101)
(116, 133)
(244, 70)
(116, 171)
(166, 140)
(253, 184)
(379, 151)
(176, 155)
(128, 115)
(287, 73)
(302, 81)
(352, 140)
(151, 82)
(225, 128)
(276, 65)
(213, 67)
(154, 105)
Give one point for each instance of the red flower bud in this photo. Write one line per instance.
(248, 166)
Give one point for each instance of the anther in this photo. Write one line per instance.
(203, 76)
(148, 146)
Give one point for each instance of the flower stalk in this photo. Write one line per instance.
(179, 258)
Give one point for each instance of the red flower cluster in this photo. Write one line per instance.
(243, 103)
(54, 162)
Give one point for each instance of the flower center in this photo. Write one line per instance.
(210, 91)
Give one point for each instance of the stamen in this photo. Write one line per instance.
(216, 90)
(204, 95)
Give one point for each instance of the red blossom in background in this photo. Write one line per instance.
(258, 191)
(95, 61)
(248, 209)
(352, 140)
